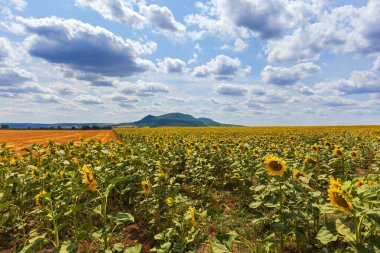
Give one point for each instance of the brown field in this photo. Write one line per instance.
(17, 139)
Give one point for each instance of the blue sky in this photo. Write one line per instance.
(250, 62)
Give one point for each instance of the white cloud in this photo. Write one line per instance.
(240, 45)
(144, 89)
(231, 90)
(171, 65)
(360, 82)
(136, 14)
(84, 47)
(288, 76)
(14, 76)
(88, 100)
(222, 67)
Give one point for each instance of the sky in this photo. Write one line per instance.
(246, 62)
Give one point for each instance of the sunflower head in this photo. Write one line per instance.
(169, 202)
(146, 187)
(338, 151)
(339, 200)
(256, 151)
(42, 199)
(156, 146)
(309, 160)
(192, 214)
(298, 173)
(359, 183)
(314, 148)
(235, 175)
(354, 154)
(275, 165)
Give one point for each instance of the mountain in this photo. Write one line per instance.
(174, 119)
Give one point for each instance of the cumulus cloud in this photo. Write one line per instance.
(16, 4)
(288, 76)
(334, 101)
(222, 67)
(231, 90)
(144, 89)
(162, 18)
(88, 100)
(136, 14)
(14, 76)
(171, 65)
(344, 29)
(360, 82)
(47, 99)
(84, 47)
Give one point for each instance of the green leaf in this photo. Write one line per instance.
(327, 234)
(255, 205)
(33, 244)
(133, 249)
(344, 231)
(375, 217)
(67, 247)
(121, 217)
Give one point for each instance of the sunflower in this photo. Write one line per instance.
(192, 214)
(256, 151)
(230, 152)
(88, 177)
(157, 146)
(235, 175)
(339, 200)
(314, 147)
(298, 173)
(334, 183)
(275, 165)
(13, 162)
(354, 154)
(169, 202)
(189, 153)
(338, 151)
(309, 160)
(146, 187)
(359, 183)
(42, 199)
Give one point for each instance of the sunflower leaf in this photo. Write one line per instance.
(327, 234)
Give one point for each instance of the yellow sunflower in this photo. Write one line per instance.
(309, 160)
(146, 187)
(298, 173)
(169, 202)
(192, 214)
(42, 199)
(275, 165)
(88, 177)
(338, 151)
(339, 200)
(235, 175)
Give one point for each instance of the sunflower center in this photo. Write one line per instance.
(340, 200)
(274, 165)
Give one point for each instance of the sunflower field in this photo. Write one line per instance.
(206, 189)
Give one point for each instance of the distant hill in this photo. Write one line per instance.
(174, 119)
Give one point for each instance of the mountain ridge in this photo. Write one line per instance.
(174, 119)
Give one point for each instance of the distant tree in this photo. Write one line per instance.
(86, 127)
(95, 127)
(107, 128)
(73, 128)
(4, 126)
(29, 127)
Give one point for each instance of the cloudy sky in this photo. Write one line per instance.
(251, 62)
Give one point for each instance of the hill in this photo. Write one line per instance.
(174, 119)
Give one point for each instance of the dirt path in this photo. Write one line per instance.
(21, 138)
